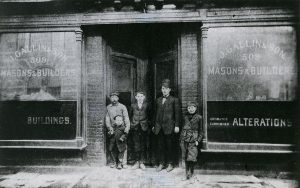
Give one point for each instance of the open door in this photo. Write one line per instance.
(123, 77)
(165, 66)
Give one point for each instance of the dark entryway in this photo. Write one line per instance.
(139, 57)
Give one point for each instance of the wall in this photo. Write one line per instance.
(95, 58)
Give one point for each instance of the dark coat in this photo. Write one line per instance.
(167, 115)
(115, 138)
(192, 130)
(139, 116)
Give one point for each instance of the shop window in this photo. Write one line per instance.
(39, 90)
(251, 84)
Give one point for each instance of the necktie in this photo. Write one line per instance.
(164, 100)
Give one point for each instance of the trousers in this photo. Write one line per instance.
(116, 155)
(164, 153)
(140, 144)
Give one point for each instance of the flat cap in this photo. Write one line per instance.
(114, 94)
(192, 103)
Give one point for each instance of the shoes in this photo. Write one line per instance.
(159, 168)
(189, 174)
(192, 180)
(170, 168)
(135, 166)
(124, 166)
(119, 166)
(183, 164)
(142, 166)
(113, 165)
(185, 178)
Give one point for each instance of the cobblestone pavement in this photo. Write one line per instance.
(112, 178)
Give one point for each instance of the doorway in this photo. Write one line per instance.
(123, 76)
(139, 57)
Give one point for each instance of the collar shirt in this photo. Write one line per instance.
(140, 105)
(165, 98)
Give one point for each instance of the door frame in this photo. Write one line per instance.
(167, 56)
(133, 73)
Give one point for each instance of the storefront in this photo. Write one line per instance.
(58, 66)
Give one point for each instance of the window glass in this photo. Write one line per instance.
(251, 84)
(39, 85)
(252, 64)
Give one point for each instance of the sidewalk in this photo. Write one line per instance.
(106, 177)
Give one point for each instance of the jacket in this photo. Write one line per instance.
(192, 130)
(115, 138)
(166, 115)
(139, 116)
(112, 111)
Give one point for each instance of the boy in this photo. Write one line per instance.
(139, 126)
(117, 144)
(191, 136)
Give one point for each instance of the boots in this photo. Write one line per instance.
(136, 165)
(192, 165)
(159, 168)
(186, 171)
(189, 172)
(120, 164)
(142, 166)
(170, 168)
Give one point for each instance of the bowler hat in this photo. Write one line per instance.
(166, 83)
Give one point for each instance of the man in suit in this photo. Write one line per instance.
(166, 123)
(139, 114)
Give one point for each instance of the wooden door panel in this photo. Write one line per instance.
(123, 77)
(165, 67)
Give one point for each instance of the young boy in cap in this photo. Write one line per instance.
(117, 142)
(166, 124)
(190, 137)
(139, 128)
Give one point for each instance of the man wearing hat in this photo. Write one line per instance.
(166, 123)
(117, 109)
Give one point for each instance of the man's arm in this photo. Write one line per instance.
(176, 112)
(154, 114)
(107, 121)
(126, 119)
(130, 111)
(149, 113)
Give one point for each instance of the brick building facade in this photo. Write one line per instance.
(98, 47)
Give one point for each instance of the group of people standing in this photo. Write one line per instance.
(164, 124)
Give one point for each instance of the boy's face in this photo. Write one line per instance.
(140, 97)
(165, 90)
(119, 120)
(191, 109)
(114, 99)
